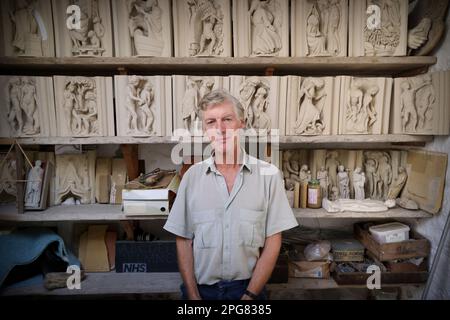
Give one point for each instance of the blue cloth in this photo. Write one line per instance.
(24, 246)
(223, 290)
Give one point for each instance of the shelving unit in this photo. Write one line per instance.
(312, 66)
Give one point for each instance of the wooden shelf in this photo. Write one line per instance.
(93, 212)
(111, 283)
(391, 213)
(307, 66)
(335, 141)
(105, 212)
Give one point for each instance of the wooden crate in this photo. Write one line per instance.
(416, 247)
(360, 278)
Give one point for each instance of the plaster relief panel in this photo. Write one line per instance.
(319, 28)
(202, 28)
(261, 28)
(143, 106)
(8, 177)
(364, 105)
(84, 106)
(75, 178)
(142, 28)
(27, 28)
(378, 28)
(92, 37)
(422, 104)
(27, 107)
(264, 101)
(312, 107)
(187, 93)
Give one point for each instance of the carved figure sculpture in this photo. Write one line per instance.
(23, 116)
(260, 105)
(265, 29)
(331, 165)
(343, 181)
(27, 40)
(206, 25)
(304, 174)
(34, 185)
(360, 111)
(385, 172)
(253, 94)
(385, 39)
(74, 182)
(408, 107)
(140, 98)
(315, 38)
(359, 179)
(87, 40)
(372, 177)
(189, 105)
(310, 106)
(145, 27)
(322, 176)
(80, 106)
(8, 176)
(398, 184)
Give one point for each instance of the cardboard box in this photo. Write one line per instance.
(309, 269)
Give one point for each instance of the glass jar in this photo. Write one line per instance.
(314, 194)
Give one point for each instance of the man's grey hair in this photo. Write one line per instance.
(220, 96)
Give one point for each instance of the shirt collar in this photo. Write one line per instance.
(210, 165)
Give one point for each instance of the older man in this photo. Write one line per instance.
(229, 212)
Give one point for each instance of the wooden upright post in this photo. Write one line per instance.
(130, 154)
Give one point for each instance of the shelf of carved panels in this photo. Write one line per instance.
(305, 66)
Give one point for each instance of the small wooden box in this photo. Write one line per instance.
(416, 247)
(360, 278)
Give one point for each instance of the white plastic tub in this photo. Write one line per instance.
(390, 232)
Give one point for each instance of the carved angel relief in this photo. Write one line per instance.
(253, 94)
(206, 28)
(80, 106)
(266, 23)
(27, 40)
(322, 28)
(140, 98)
(145, 27)
(383, 41)
(310, 107)
(416, 101)
(23, 115)
(360, 114)
(88, 39)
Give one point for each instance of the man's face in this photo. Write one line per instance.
(222, 126)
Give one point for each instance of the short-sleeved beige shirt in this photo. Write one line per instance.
(228, 230)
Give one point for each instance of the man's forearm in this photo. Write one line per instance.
(186, 265)
(266, 264)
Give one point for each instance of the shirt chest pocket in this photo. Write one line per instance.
(251, 228)
(205, 229)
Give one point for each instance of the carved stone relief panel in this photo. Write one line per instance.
(187, 93)
(264, 101)
(349, 174)
(422, 104)
(311, 106)
(261, 28)
(142, 28)
(319, 28)
(75, 177)
(202, 28)
(143, 105)
(378, 28)
(27, 107)
(84, 106)
(27, 28)
(93, 36)
(8, 177)
(364, 105)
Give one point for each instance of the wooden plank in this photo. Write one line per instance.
(130, 154)
(285, 141)
(91, 212)
(391, 213)
(305, 66)
(21, 176)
